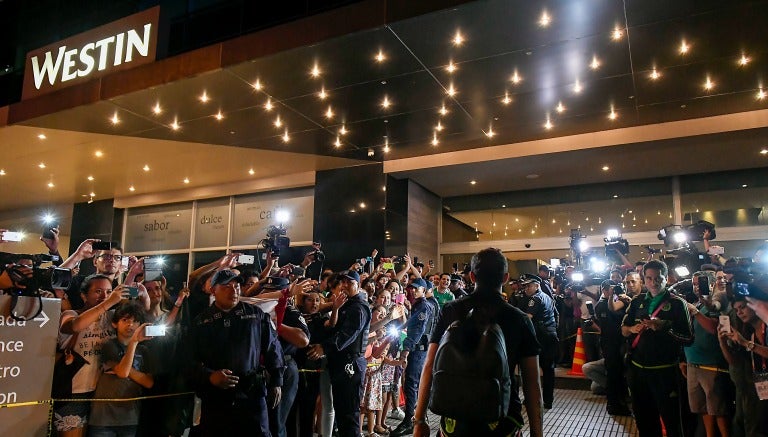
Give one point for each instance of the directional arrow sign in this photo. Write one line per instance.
(42, 318)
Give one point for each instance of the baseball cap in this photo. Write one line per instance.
(276, 283)
(455, 278)
(527, 278)
(418, 282)
(223, 277)
(350, 274)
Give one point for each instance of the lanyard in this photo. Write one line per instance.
(655, 313)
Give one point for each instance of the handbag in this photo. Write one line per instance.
(68, 363)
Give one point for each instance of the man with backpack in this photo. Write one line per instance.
(414, 351)
(467, 371)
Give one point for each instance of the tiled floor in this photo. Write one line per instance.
(575, 413)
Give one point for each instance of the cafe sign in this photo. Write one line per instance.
(119, 45)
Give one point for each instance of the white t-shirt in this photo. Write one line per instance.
(88, 345)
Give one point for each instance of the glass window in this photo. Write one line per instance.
(212, 222)
(255, 212)
(156, 228)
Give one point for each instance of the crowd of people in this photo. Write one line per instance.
(273, 352)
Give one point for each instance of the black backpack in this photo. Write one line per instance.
(471, 378)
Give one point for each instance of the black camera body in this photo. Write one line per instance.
(317, 255)
(276, 240)
(54, 278)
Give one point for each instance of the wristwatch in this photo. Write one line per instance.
(750, 345)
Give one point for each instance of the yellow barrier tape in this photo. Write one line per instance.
(51, 401)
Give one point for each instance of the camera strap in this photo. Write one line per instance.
(655, 313)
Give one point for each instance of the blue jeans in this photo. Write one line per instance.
(112, 431)
(279, 415)
(412, 376)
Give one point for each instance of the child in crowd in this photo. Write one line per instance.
(372, 401)
(126, 373)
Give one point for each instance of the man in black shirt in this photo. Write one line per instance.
(657, 324)
(489, 272)
(229, 338)
(346, 362)
(611, 343)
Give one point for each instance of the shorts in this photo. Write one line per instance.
(709, 391)
(72, 415)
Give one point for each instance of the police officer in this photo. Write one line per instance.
(414, 350)
(611, 343)
(293, 334)
(229, 338)
(541, 309)
(544, 274)
(344, 349)
(657, 325)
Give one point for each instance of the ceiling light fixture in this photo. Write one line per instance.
(577, 87)
(115, 119)
(443, 110)
(545, 19)
(51, 185)
(655, 74)
(434, 139)
(451, 91)
(175, 125)
(204, 97)
(257, 85)
(337, 143)
(595, 64)
(548, 124)
(380, 56)
(386, 145)
(560, 108)
(186, 180)
(145, 168)
(473, 182)
(315, 71)
(131, 188)
(606, 168)
(684, 47)
(219, 116)
(98, 153)
(506, 100)
(329, 113)
(744, 60)
(617, 33)
(2, 172)
(386, 103)
(458, 39)
(439, 126)
(278, 123)
(92, 194)
(286, 138)
(41, 165)
(322, 94)
(157, 109)
(251, 171)
(268, 106)
(760, 94)
(708, 85)
(90, 178)
(516, 78)
(764, 152)
(42, 136)
(612, 115)
(490, 133)
(343, 130)
(451, 67)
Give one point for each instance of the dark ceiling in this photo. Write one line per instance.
(500, 37)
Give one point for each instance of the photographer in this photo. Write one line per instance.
(611, 343)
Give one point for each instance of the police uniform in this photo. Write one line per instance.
(235, 340)
(543, 315)
(279, 416)
(418, 328)
(653, 362)
(346, 362)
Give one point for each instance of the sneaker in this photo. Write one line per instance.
(619, 410)
(397, 413)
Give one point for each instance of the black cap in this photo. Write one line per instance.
(276, 283)
(223, 277)
(456, 278)
(350, 274)
(527, 278)
(607, 284)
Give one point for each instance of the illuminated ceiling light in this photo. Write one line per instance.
(560, 107)
(157, 109)
(439, 127)
(268, 106)
(322, 94)
(90, 178)
(744, 186)
(458, 39)
(219, 116)
(186, 180)
(655, 74)
(545, 19)
(684, 47)
(595, 64)
(451, 91)
(98, 153)
(42, 136)
(251, 171)
(548, 124)
(51, 185)
(380, 56)
(41, 165)
(92, 194)
(386, 103)
(617, 33)
(760, 94)
(764, 152)
(386, 145)
(612, 115)
(490, 133)
(451, 67)
(362, 205)
(577, 87)
(204, 97)
(145, 168)
(473, 182)
(131, 188)
(2, 172)
(175, 125)
(257, 85)
(337, 143)
(315, 72)
(606, 168)
(329, 113)
(115, 119)
(506, 100)
(708, 85)
(516, 78)
(615, 196)
(443, 110)
(278, 123)
(434, 139)
(744, 60)
(286, 137)
(343, 130)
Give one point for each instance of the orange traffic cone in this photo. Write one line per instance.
(579, 357)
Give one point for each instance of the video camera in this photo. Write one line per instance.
(45, 278)
(276, 240)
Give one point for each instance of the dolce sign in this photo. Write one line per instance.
(119, 45)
